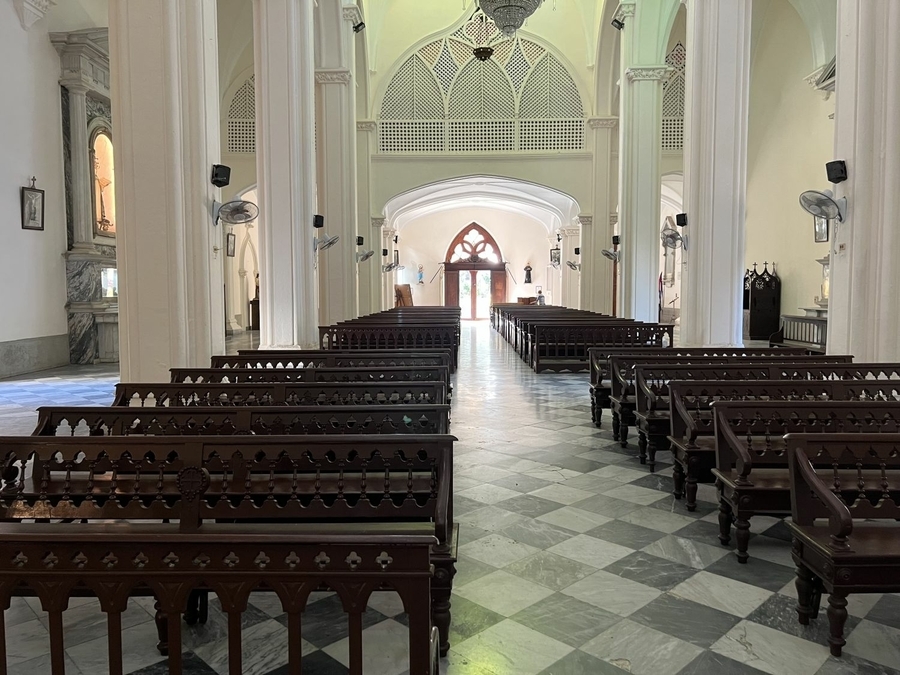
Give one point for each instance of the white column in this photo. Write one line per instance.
(640, 141)
(863, 317)
(369, 228)
(596, 233)
(286, 171)
(387, 278)
(82, 189)
(164, 58)
(571, 279)
(715, 160)
(336, 146)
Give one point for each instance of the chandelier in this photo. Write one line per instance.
(509, 15)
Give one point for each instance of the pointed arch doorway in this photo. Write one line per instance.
(474, 273)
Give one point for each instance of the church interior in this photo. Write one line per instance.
(475, 337)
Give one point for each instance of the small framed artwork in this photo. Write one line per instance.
(230, 241)
(554, 256)
(32, 208)
(821, 229)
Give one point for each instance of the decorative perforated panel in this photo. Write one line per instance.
(673, 100)
(242, 119)
(443, 99)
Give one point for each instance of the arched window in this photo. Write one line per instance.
(474, 244)
(673, 100)
(444, 99)
(242, 118)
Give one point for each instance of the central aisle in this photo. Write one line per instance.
(575, 560)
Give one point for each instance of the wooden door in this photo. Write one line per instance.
(498, 286)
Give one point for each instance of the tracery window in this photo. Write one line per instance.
(443, 99)
(474, 244)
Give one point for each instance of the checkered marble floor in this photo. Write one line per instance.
(574, 560)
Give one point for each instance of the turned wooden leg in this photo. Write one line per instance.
(615, 425)
(725, 519)
(642, 447)
(594, 408)
(690, 489)
(654, 445)
(837, 617)
(441, 589)
(742, 535)
(816, 597)
(599, 421)
(192, 612)
(162, 630)
(678, 480)
(623, 434)
(806, 583)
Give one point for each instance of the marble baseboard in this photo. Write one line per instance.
(32, 354)
(83, 342)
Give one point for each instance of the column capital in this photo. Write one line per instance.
(32, 11)
(613, 218)
(603, 122)
(657, 72)
(586, 221)
(352, 14)
(572, 231)
(333, 76)
(378, 222)
(625, 10)
(366, 125)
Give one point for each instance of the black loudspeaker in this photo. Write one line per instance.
(359, 241)
(837, 171)
(384, 252)
(577, 250)
(318, 221)
(681, 220)
(616, 240)
(221, 175)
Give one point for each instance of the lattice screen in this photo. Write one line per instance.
(673, 100)
(242, 118)
(443, 99)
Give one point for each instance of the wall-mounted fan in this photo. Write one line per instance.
(573, 265)
(362, 255)
(237, 212)
(824, 205)
(322, 242)
(611, 255)
(672, 238)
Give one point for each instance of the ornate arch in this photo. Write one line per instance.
(474, 244)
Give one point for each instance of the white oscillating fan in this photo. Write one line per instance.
(672, 238)
(323, 242)
(362, 255)
(824, 205)
(610, 254)
(573, 265)
(238, 212)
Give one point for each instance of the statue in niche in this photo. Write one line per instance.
(104, 186)
(421, 275)
(527, 273)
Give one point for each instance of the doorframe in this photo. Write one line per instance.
(451, 281)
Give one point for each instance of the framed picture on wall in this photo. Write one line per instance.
(554, 256)
(32, 208)
(230, 241)
(821, 229)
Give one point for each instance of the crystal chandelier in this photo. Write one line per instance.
(509, 15)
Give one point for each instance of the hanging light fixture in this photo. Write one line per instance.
(509, 15)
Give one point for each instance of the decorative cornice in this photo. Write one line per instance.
(813, 81)
(84, 60)
(660, 72)
(586, 221)
(613, 218)
(333, 76)
(32, 11)
(603, 122)
(366, 125)
(573, 231)
(625, 10)
(378, 222)
(353, 14)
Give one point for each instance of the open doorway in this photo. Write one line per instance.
(475, 273)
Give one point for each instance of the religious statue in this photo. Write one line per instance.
(527, 273)
(421, 275)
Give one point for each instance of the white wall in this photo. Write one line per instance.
(32, 268)
(426, 240)
(790, 139)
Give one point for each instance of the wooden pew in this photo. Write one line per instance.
(317, 358)
(651, 395)
(113, 483)
(308, 375)
(259, 420)
(751, 457)
(624, 370)
(601, 387)
(845, 520)
(180, 394)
